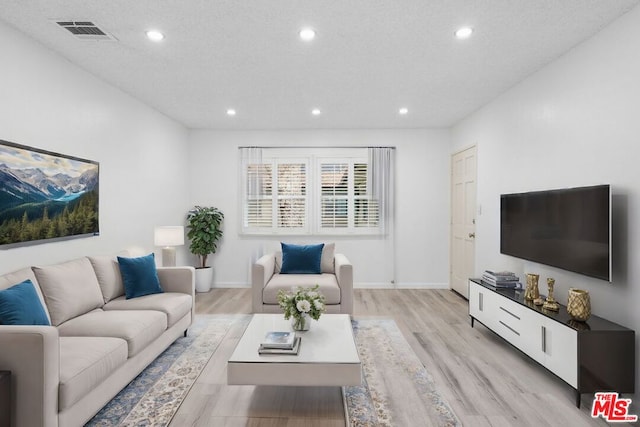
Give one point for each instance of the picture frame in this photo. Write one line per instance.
(46, 196)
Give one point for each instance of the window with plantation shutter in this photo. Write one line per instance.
(316, 194)
(345, 203)
(259, 201)
(292, 195)
(366, 212)
(275, 196)
(334, 198)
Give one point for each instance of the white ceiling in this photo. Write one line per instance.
(370, 57)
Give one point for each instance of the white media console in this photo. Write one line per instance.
(597, 355)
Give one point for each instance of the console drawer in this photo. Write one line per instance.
(509, 320)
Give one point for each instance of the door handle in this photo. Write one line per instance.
(472, 235)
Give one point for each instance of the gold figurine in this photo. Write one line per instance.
(550, 303)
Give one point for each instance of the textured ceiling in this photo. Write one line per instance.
(370, 57)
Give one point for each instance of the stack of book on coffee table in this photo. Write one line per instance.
(501, 279)
(277, 342)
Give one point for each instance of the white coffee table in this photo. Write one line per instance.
(327, 357)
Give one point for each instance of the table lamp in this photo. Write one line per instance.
(169, 236)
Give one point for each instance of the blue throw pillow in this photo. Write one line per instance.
(139, 276)
(301, 259)
(20, 305)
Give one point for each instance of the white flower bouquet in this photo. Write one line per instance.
(302, 304)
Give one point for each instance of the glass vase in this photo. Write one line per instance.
(301, 323)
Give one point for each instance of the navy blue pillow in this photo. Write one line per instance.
(20, 305)
(139, 276)
(301, 259)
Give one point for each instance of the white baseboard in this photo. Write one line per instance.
(365, 285)
(373, 285)
(231, 285)
(406, 285)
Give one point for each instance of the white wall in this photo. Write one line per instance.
(422, 163)
(50, 104)
(574, 123)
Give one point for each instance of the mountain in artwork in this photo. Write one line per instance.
(32, 185)
(46, 196)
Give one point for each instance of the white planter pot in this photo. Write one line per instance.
(204, 279)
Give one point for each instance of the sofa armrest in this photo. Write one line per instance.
(344, 277)
(179, 279)
(261, 273)
(32, 354)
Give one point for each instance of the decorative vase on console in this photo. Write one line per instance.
(579, 305)
(531, 291)
(550, 303)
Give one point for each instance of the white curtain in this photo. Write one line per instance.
(381, 180)
(251, 186)
(251, 156)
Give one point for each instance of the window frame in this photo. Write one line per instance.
(275, 198)
(351, 197)
(313, 196)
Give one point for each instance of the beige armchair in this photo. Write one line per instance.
(336, 283)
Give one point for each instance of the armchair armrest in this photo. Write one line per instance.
(261, 273)
(344, 277)
(179, 279)
(32, 354)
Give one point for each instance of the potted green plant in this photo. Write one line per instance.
(204, 231)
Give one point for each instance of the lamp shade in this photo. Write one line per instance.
(169, 235)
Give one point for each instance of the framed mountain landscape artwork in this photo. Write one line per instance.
(45, 195)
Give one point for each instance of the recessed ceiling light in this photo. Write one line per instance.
(403, 111)
(155, 35)
(315, 112)
(307, 34)
(464, 32)
(231, 112)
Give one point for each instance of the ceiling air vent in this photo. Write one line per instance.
(85, 30)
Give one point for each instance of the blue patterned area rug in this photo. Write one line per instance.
(397, 390)
(155, 395)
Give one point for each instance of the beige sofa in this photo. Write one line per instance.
(336, 282)
(98, 342)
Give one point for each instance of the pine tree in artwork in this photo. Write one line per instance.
(24, 228)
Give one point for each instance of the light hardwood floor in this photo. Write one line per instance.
(486, 381)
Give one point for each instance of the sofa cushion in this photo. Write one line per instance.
(327, 263)
(70, 289)
(20, 305)
(107, 271)
(328, 286)
(139, 276)
(174, 305)
(301, 259)
(137, 327)
(85, 362)
(21, 275)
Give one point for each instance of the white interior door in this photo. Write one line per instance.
(463, 219)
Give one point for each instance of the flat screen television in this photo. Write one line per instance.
(567, 228)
